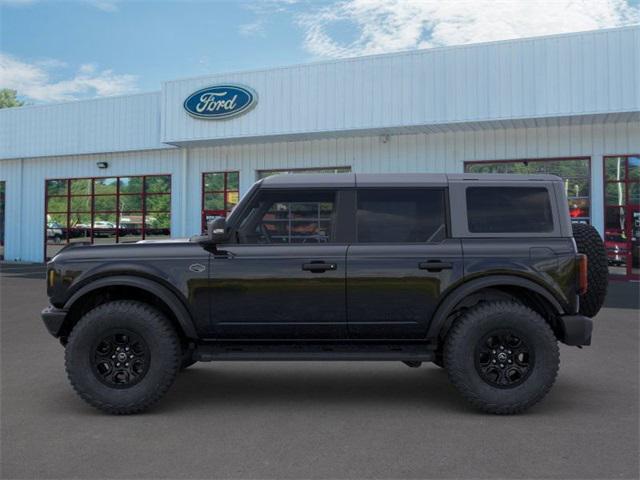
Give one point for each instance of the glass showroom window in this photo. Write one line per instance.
(2, 187)
(220, 193)
(574, 171)
(268, 173)
(622, 214)
(106, 210)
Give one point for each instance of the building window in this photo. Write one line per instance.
(622, 214)
(220, 193)
(106, 210)
(2, 187)
(268, 173)
(575, 172)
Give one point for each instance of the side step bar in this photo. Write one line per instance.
(233, 351)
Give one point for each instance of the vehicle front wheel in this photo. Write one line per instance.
(502, 356)
(122, 356)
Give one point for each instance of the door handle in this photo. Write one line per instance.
(318, 267)
(435, 266)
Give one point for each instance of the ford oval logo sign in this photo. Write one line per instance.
(220, 101)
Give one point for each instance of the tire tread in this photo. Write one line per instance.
(165, 329)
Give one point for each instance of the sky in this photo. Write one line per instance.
(54, 50)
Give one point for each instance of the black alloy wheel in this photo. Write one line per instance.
(120, 359)
(504, 359)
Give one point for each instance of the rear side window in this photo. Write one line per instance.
(401, 216)
(509, 210)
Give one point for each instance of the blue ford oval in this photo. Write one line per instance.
(220, 101)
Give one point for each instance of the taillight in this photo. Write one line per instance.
(583, 279)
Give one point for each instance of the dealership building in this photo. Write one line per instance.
(158, 164)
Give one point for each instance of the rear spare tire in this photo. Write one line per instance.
(589, 243)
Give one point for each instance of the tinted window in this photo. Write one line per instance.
(290, 217)
(401, 216)
(509, 210)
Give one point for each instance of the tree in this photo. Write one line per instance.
(8, 98)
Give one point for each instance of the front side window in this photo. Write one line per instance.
(306, 217)
(509, 210)
(401, 216)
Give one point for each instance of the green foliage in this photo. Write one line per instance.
(8, 98)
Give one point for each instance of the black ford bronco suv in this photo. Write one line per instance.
(479, 274)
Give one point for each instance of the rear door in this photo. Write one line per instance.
(401, 262)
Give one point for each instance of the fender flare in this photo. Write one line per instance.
(163, 293)
(458, 294)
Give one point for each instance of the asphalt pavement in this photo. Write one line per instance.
(316, 420)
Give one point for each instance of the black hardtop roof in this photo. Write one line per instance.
(345, 180)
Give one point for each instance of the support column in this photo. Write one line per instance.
(597, 193)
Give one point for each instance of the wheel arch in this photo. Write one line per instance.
(129, 287)
(537, 297)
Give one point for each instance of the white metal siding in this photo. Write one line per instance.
(435, 152)
(112, 124)
(558, 76)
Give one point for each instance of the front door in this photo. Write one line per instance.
(401, 263)
(285, 276)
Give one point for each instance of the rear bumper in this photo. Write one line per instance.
(53, 319)
(576, 330)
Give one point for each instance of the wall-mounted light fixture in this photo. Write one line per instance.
(102, 164)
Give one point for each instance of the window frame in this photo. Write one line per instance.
(459, 217)
(629, 275)
(299, 170)
(92, 212)
(204, 212)
(547, 206)
(447, 216)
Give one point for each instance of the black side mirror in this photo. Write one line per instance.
(217, 230)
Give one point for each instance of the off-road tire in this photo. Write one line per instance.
(589, 242)
(460, 356)
(147, 323)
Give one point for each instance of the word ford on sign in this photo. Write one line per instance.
(220, 101)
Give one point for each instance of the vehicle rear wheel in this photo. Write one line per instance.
(589, 243)
(502, 356)
(122, 356)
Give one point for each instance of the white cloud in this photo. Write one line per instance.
(252, 28)
(35, 82)
(391, 25)
(104, 5)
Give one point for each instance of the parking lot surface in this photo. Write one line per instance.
(316, 420)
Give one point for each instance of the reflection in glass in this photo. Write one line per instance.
(615, 193)
(107, 210)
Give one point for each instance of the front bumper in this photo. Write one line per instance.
(53, 319)
(576, 330)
